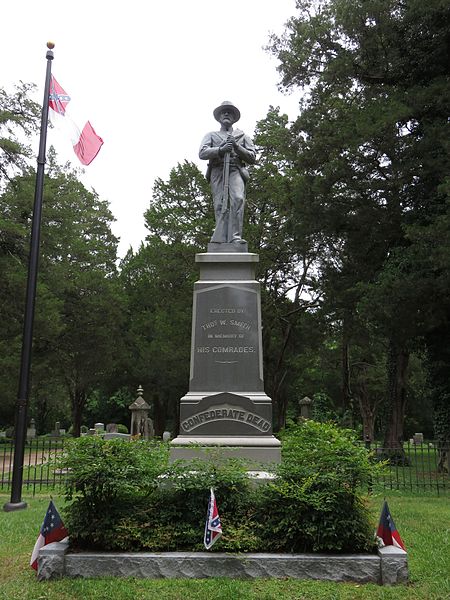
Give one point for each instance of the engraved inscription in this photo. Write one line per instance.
(225, 325)
(225, 412)
(230, 349)
(226, 338)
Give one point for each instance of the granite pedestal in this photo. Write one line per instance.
(226, 404)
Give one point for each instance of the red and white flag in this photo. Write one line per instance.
(86, 143)
(52, 530)
(213, 526)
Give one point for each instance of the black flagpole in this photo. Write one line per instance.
(20, 424)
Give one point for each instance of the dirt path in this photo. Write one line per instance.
(32, 458)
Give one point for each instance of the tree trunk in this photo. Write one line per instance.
(368, 412)
(398, 358)
(78, 397)
(159, 411)
(279, 403)
(439, 381)
(347, 396)
(42, 412)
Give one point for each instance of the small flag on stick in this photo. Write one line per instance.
(387, 533)
(213, 527)
(86, 143)
(52, 530)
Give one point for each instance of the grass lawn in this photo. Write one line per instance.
(422, 520)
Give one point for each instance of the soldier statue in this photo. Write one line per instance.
(228, 151)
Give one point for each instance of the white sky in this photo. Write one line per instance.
(147, 74)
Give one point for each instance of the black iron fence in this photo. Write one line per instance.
(415, 467)
(39, 469)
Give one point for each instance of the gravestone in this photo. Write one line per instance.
(112, 428)
(305, 407)
(226, 404)
(31, 430)
(418, 439)
(56, 431)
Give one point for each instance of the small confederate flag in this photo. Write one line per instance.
(86, 143)
(213, 527)
(52, 530)
(387, 533)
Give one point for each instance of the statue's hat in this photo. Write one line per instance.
(230, 106)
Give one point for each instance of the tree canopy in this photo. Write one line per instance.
(347, 207)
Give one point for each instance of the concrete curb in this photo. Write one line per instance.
(388, 567)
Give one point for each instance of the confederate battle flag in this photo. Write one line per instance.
(213, 527)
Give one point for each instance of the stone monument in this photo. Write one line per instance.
(141, 424)
(226, 404)
(305, 405)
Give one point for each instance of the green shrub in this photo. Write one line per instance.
(314, 501)
(105, 479)
(122, 428)
(172, 517)
(124, 496)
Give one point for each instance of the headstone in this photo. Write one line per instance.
(111, 428)
(418, 438)
(56, 432)
(31, 430)
(100, 427)
(91, 431)
(305, 407)
(166, 436)
(226, 404)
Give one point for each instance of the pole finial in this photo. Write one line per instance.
(50, 45)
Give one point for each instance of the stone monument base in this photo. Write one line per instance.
(226, 412)
(256, 451)
(388, 567)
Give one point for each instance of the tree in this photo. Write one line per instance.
(159, 278)
(287, 258)
(19, 119)
(371, 154)
(78, 304)
(158, 283)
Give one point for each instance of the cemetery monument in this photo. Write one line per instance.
(226, 404)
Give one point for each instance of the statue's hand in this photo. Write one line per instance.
(231, 139)
(226, 147)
